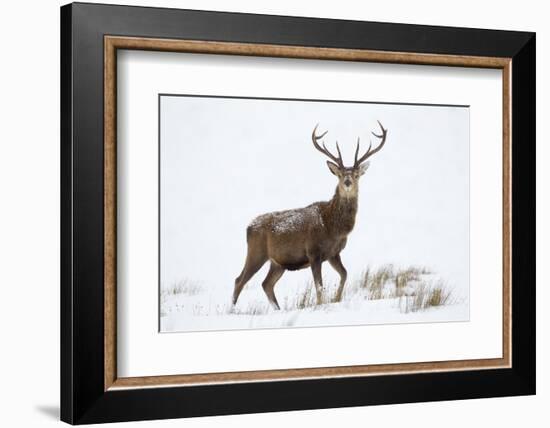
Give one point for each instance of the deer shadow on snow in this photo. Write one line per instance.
(307, 237)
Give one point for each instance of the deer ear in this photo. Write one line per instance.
(333, 168)
(363, 168)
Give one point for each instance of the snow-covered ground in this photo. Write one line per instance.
(191, 306)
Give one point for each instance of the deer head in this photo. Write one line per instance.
(348, 177)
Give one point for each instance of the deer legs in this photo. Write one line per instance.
(274, 274)
(255, 260)
(317, 278)
(336, 263)
(252, 265)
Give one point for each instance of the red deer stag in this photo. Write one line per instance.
(306, 237)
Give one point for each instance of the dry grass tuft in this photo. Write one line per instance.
(256, 308)
(411, 284)
(377, 280)
(426, 296)
(185, 286)
(306, 298)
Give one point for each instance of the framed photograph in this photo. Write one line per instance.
(265, 213)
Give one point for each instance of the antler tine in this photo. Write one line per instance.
(324, 149)
(384, 131)
(315, 137)
(357, 150)
(338, 149)
(370, 152)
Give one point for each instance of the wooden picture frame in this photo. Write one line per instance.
(91, 391)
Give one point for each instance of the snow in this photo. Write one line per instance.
(204, 311)
(290, 220)
(382, 311)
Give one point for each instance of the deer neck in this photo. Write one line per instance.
(342, 210)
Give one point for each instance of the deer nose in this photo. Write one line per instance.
(347, 182)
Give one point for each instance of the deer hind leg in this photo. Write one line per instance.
(317, 279)
(274, 274)
(252, 265)
(336, 263)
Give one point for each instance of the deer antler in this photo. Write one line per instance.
(324, 150)
(370, 152)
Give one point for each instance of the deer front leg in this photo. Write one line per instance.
(336, 263)
(317, 279)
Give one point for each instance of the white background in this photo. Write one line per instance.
(29, 172)
(226, 161)
(143, 352)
